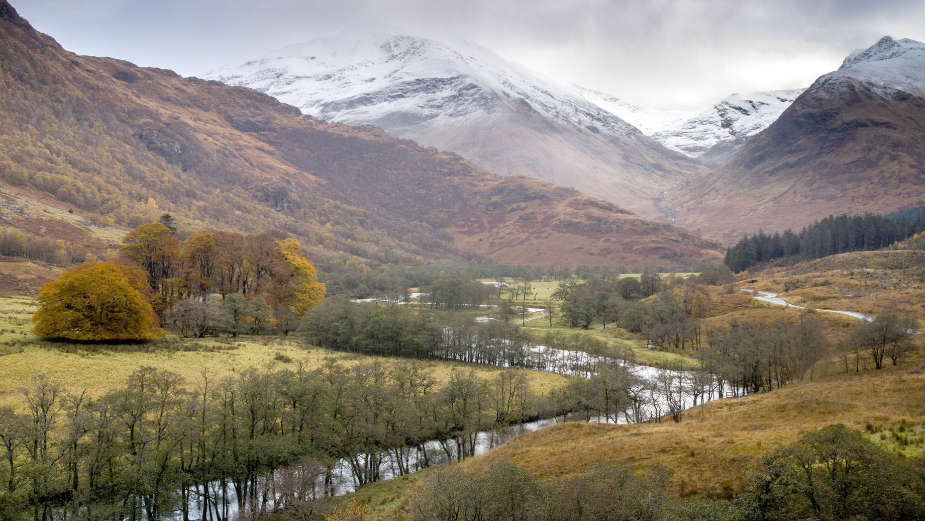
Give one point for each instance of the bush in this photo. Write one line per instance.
(610, 492)
(504, 491)
(835, 473)
(715, 275)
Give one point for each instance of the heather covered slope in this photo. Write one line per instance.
(853, 142)
(115, 145)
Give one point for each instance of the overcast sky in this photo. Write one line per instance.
(659, 53)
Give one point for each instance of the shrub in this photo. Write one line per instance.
(835, 473)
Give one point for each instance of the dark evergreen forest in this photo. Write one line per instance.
(827, 237)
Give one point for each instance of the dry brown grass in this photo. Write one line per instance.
(712, 450)
(867, 282)
(21, 276)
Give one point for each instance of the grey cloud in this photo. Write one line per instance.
(658, 52)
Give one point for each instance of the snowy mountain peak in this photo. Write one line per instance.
(889, 63)
(885, 49)
(465, 99)
(397, 81)
(736, 117)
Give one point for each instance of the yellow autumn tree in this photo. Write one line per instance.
(305, 290)
(96, 301)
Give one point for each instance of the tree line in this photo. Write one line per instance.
(827, 237)
(264, 282)
(403, 331)
(751, 357)
(359, 279)
(16, 243)
(158, 446)
(607, 390)
(457, 293)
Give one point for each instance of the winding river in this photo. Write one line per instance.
(776, 300)
(340, 479)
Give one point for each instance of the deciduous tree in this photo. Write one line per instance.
(95, 301)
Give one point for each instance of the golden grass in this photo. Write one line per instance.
(99, 368)
(714, 448)
(542, 290)
(711, 451)
(867, 282)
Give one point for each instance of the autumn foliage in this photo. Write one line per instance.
(264, 282)
(97, 301)
(268, 270)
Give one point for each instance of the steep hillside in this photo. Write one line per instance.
(105, 144)
(853, 142)
(465, 99)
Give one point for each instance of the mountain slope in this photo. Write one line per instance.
(467, 100)
(729, 122)
(101, 142)
(647, 119)
(708, 134)
(853, 142)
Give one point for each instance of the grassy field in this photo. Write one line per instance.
(98, 368)
(711, 451)
(24, 277)
(540, 290)
(618, 338)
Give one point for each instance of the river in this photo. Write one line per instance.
(777, 300)
(340, 478)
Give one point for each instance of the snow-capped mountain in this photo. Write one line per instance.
(889, 64)
(694, 132)
(467, 100)
(734, 118)
(850, 143)
(399, 81)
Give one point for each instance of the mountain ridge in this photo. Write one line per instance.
(465, 99)
(117, 145)
(853, 142)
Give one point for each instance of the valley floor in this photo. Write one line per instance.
(98, 368)
(715, 446)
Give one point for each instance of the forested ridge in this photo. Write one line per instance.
(829, 236)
